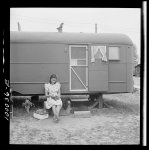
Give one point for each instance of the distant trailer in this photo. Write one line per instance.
(136, 71)
(85, 63)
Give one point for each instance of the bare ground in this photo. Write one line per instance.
(117, 125)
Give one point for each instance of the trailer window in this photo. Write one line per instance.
(114, 53)
(98, 52)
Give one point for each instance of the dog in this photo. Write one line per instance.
(28, 104)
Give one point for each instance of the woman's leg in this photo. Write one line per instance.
(58, 108)
(54, 110)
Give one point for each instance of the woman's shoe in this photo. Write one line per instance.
(56, 119)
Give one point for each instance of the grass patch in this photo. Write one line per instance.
(126, 102)
(123, 107)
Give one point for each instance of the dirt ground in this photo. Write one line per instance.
(119, 124)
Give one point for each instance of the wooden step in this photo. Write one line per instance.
(82, 114)
(79, 100)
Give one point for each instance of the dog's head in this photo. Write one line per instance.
(27, 104)
(66, 102)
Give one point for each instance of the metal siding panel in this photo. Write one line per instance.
(129, 54)
(98, 74)
(35, 63)
(38, 53)
(117, 87)
(28, 88)
(98, 65)
(98, 81)
(38, 72)
(35, 88)
(130, 81)
(123, 50)
(65, 87)
(117, 72)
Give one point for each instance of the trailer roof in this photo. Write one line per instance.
(66, 37)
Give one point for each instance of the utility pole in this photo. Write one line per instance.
(96, 28)
(19, 27)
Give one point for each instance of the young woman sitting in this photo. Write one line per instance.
(52, 92)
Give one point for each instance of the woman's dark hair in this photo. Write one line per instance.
(52, 76)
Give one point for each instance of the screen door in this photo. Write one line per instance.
(78, 55)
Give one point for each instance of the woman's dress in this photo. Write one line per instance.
(53, 89)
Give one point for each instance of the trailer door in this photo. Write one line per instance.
(78, 56)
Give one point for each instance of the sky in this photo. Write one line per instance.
(108, 20)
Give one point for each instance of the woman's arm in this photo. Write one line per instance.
(47, 94)
(59, 91)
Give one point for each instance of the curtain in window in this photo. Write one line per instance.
(98, 52)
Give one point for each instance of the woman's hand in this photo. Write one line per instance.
(49, 94)
(57, 97)
(53, 96)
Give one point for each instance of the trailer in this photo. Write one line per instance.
(85, 63)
